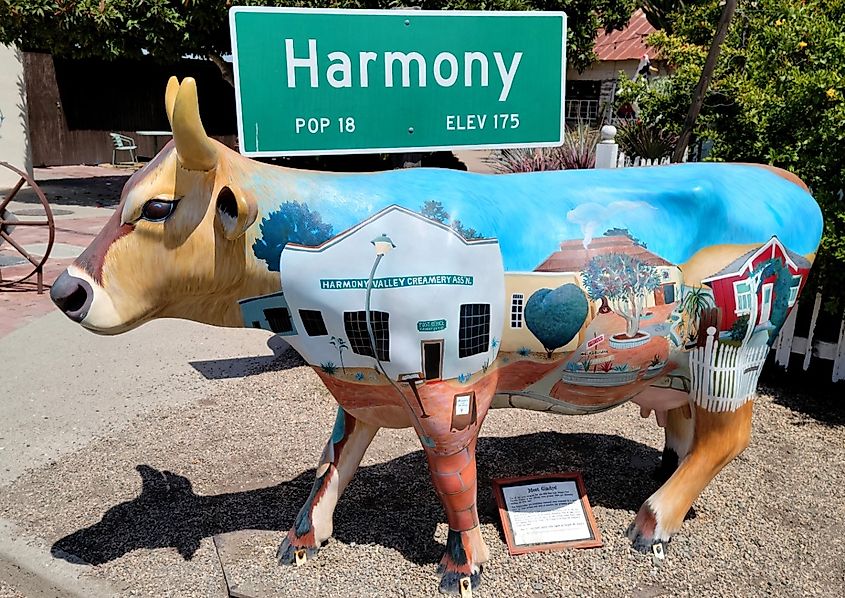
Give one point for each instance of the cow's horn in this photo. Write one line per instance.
(170, 97)
(193, 146)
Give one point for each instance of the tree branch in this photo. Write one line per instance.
(226, 70)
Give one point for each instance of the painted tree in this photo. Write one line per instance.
(625, 282)
(293, 222)
(339, 344)
(781, 290)
(556, 316)
(694, 302)
(434, 210)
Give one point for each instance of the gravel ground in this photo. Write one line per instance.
(773, 523)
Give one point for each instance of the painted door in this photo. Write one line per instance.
(432, 358)
(668, 293)
(766, 303)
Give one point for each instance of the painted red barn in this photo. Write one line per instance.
(732, 286)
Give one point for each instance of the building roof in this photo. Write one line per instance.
(626, 44)
(380, 214)
(743, 262)
(572, 257)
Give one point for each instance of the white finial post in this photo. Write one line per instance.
(607, 150)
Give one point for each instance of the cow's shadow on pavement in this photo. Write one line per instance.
(391, 504)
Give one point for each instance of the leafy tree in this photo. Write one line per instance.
(169, 30)
(625, 282)
(556, 316)
(777, 97)
(293, 222)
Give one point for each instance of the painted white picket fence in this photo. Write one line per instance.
(787, 343)
(724, 377)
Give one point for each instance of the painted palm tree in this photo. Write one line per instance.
(339, 344)
(695, 301)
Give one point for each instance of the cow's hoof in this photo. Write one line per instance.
(451, 581)
(291, 554)
(642, 531)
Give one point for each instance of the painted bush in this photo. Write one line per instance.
(556, 316)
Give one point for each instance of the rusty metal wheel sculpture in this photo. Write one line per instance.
(9, 222)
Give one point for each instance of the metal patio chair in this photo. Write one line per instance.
(122, 143)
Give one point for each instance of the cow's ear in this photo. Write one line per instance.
(235, 212)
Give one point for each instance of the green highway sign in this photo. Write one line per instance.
(311, 81)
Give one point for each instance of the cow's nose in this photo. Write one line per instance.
(72, 295)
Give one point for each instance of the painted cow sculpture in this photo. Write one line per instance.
(425, 297)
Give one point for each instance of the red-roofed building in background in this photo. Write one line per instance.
(627, 44)
(589, 94)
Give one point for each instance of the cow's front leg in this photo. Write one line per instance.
(341, 457)
(454, 478)
(679, 428)
(717, 439)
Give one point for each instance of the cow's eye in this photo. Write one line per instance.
(158, 210)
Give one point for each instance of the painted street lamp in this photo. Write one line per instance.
(384, 245)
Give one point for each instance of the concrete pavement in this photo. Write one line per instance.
(61, 387)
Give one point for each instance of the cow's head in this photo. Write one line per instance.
(178, 243)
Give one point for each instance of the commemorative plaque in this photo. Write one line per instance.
(548, 512)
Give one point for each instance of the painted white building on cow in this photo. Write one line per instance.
(436, 305)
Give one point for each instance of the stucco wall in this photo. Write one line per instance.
(423, 249)
(14, 127)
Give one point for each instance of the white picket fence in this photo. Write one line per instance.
(608, 154)
(624, 161)
(724, 377)
(787, 344)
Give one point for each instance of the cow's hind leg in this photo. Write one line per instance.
(717, 439)
(341, 457)
(454, 478)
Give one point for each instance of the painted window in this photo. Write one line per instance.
(355, 324)
(742, 293)
(312, 319)
(793, 290)
(517, 305)
(474, 329)
(279, 319)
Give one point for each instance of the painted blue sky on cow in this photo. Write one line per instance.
(530, 214)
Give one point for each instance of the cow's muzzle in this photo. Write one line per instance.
(72, 295)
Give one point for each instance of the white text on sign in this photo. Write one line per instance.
(445, 68)
(477, 122)
(321, 124)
